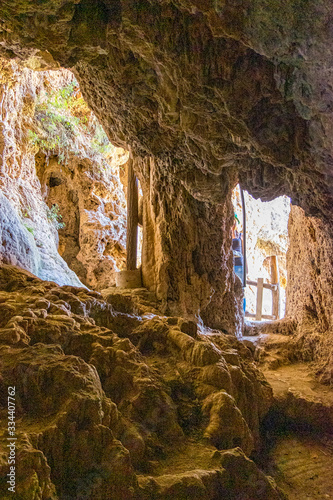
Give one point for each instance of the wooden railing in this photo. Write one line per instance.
(275, 289)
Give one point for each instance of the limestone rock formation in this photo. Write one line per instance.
(27, 237)
(58, 169)
(204, 94)
(102, 395)
(212, 91)
(309, 293)
(186, 252)
(92, 205)
(218, 84)
(205, 485)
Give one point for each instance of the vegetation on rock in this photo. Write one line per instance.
(54, 216)
(56, 154)
(61, 116)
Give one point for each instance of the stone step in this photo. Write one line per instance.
(231, 476)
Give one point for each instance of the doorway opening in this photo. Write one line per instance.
(266, 248)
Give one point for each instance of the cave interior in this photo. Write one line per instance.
(159, 388)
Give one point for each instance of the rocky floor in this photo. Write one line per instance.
(299, 427)
(113, 402)
(302, 465)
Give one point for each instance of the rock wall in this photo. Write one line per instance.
(186, 256)
(214, 86)
(48, 158)
(92, 204)
(28, 239)
(309, 290)
(215, 90)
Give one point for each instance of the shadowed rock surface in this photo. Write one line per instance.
(102, 396)
(209, 92)
(203, 94)
(214, 86)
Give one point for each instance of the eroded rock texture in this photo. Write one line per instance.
(27, 238)
(92, 205)
(211, 90)
(55, 154)
(216, 84)
(104, 399)
(309, 292)
(186, 254)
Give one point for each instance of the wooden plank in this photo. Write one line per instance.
(260, 290)
(276, 280)
(132, 217)
(263, 316)
(251, 283)
(269, 286)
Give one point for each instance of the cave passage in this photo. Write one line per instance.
(159, 389)
(266, 248)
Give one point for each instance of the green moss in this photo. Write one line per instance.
(60, 118)
(54, 216)
(28, 228)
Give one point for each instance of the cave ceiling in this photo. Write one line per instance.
(214, 90)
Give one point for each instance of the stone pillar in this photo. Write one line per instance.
(186, 256)
(132, 217)
(131, 278)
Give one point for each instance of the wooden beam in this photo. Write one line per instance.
(132, 217)
(263, 316)
(244, 237)
(275, 278)
(260, 290)
(269, 286)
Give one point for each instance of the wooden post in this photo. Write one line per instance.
(260, 290)
(244, 237)
(132, 217)
(275, 280)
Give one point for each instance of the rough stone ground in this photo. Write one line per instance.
(120, 406)
(299, 426)
(116, 402)
(302, 465)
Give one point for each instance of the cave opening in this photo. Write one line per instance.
(267, 244)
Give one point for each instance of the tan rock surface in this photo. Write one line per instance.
(27, 237)
(220, 85)
(299, 396)
(88, 398)
(298, 448)
(186, 252)
(204, 94)
(248, 482)
(302, 467)
(211, 92)
(50, 158)
(309, 293)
